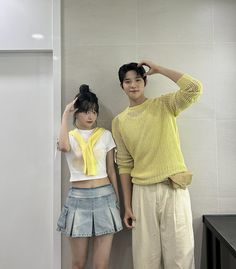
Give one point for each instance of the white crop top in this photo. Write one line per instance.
(75, 158)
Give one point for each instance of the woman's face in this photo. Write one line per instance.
(86, 120)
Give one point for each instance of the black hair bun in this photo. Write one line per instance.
(84, 88)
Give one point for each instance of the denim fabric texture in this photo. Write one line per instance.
(90, 212)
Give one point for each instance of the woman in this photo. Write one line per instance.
(92, 206)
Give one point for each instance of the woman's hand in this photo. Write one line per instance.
(153, 68)
(70, 107)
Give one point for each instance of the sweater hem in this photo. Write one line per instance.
(158, 178)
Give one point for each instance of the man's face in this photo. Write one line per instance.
(133, 85)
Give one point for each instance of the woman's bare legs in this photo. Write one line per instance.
(79, 251)
(101, 251)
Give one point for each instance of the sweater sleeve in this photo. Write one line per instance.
(190, 90)
(124, 160)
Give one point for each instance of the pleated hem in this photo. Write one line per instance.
(89, 235)
(82, 223)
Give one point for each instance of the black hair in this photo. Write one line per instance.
(86, 101)
(131, 67)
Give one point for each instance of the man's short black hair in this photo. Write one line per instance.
(131, 67)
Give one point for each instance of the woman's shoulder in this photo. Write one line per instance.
(107, 139)
(106, 132)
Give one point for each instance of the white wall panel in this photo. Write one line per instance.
(21, 20)
(26, 200)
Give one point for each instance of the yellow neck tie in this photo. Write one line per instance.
(87, 149)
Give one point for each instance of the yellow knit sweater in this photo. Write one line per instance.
(147, 138)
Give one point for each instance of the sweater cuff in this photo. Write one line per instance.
(186, 79)
(125, 170)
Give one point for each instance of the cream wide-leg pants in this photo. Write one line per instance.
(163, 233)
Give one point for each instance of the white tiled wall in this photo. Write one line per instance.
(197, 37)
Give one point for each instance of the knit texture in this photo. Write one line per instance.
(147, 138)
(90, 168)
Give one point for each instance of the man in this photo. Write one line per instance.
(152, 169)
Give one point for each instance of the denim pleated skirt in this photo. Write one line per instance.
(90, 212)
